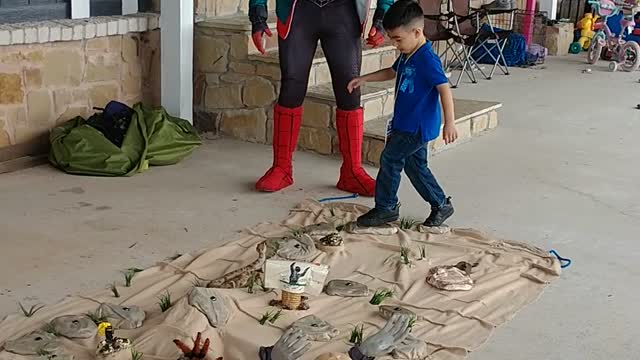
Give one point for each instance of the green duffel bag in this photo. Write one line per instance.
(153, 138)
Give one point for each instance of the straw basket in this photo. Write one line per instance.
(291, 300)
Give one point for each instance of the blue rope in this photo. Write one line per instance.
(352, 196)
(567, 261)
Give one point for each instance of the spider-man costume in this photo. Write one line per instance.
(339, 25)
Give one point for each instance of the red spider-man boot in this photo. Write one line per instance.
(286, 126)
(353, 178)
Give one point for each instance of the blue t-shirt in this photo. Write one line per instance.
(417, 103)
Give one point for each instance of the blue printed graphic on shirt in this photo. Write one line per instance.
(417, 104)
(408, 78)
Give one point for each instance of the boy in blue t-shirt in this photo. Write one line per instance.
(420, 86)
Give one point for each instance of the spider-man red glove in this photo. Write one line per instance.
(258, 17)
(376, 34)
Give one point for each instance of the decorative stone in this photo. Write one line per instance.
(318, 140)
(374, 150)
(316, 328)
(40, 106)
(387, 311)
(301, 248)
(247, 125)
(239, 46)
(34, 344)
(270, 71)
(346, 288)
(75, 327)
(102, 68)
(11, 89)
(242, 68)
(223, 97)
(213, 304)
(33, 78)
(411, 348)
(449, 278)
(211, 55)
(386, 229)
(316, 115)
(100, 95)
(258, 92)
(122, 317)
(63, 67)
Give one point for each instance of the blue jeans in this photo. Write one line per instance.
(405, 151)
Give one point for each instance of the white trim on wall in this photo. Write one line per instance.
(129, 7)
(176, 57)
(80, 9)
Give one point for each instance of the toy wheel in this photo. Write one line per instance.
(575, 48)
(630, 56)
(594, 52)
(613, 66)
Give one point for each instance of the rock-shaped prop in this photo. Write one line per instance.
(410, 348)
(296, 248)
(331, 243)
(451, 278)
(35, 343)
(383, 230)
(346, 288)
(122, 317)
(213, 304)
(316, 329)
(387, 311)
(75, 327)
(438, 230)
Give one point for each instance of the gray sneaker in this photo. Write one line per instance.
(440, 214)
(377, 217)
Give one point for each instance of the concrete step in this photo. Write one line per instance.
(473, 118)
(376, 99)
(372, 60)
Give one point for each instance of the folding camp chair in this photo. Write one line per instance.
(439, 28)
(491, 38)
(465, 25)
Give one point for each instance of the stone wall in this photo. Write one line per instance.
(42, 85)
(235, 87)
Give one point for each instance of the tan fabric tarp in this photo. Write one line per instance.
(509, 276)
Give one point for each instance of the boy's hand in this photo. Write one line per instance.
(449, 133)
(355, 83)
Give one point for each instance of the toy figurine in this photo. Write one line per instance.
(111, 343)
(295, 275)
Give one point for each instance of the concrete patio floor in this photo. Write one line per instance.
(560, 172)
